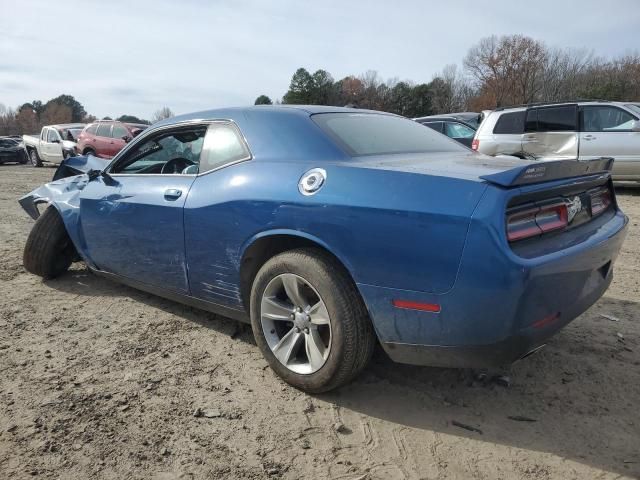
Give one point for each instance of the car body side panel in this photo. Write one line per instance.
(418, 223)
(557, 145)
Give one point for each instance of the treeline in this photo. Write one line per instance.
(32, 116)
(496, 72)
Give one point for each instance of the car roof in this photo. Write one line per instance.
(447, 116)
(67, 125)
(517, 108)
(230, 112)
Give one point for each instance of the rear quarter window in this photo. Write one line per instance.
(510, 123)
(362, 134)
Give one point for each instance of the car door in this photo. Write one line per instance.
(103, 140)
(551, 132)
(133, 217)
(118, 132)
(459, 132)
(606, 131)
(52, 151)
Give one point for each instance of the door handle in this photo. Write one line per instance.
(589, 137)
(172, 194)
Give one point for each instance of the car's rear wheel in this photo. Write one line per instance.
(49, 251)
(310, 321)
(34, 158)
(89, 151)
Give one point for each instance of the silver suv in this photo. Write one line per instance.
(582, 130)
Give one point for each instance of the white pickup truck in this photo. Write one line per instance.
(54, 144)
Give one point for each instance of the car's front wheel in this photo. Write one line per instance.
(309, 320)
(49, 251)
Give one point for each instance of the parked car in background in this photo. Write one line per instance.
(324, 227)
(459, 126)
(54, 144)
(12, 150)
(106, 138)
(571, 130)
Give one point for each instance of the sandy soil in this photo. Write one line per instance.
(101, 381)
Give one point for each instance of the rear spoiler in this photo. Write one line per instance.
(546, 171)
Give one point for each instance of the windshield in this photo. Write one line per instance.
(376, 134)
(69, 133)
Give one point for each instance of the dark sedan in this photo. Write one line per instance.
(12, 150)
(458, 126)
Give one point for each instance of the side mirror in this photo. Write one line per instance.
(126, 138)
(55, 141)
(635, 126)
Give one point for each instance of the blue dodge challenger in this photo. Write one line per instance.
(329, 229)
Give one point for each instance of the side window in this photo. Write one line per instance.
(437, 126)
(458, 130)
(606, 119)
(557, 119)
(92, 129)
(222, 146)
(170, 152)
(531, 121)
(104, 130)
(52, 136)
(510, 123)
(119, 131)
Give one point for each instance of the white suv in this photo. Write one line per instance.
(578, 130)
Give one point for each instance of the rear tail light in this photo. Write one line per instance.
(536, 221)
(475, 144)
(600, 201)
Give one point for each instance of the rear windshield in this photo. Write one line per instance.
(376, 134)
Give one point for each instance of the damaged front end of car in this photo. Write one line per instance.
(72, 166)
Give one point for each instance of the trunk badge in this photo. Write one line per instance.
(574, 206)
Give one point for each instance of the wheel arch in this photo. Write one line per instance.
(263, 246)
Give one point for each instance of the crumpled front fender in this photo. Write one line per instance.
(63, 194)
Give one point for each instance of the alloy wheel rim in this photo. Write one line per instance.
(296, 323)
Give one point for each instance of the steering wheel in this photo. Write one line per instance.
(176, 165)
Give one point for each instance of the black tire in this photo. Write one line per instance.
(34, 158)
(24, 157)
(89, 151)
(49, 251)
(352, 335)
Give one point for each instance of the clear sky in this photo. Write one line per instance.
(134, 56)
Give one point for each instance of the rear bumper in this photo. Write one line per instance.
(502, 306)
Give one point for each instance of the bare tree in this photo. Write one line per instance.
(163, 113)
(509, 68)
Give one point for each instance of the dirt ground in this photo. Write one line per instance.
(100, 381)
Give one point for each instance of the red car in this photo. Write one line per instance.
(105, 138)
